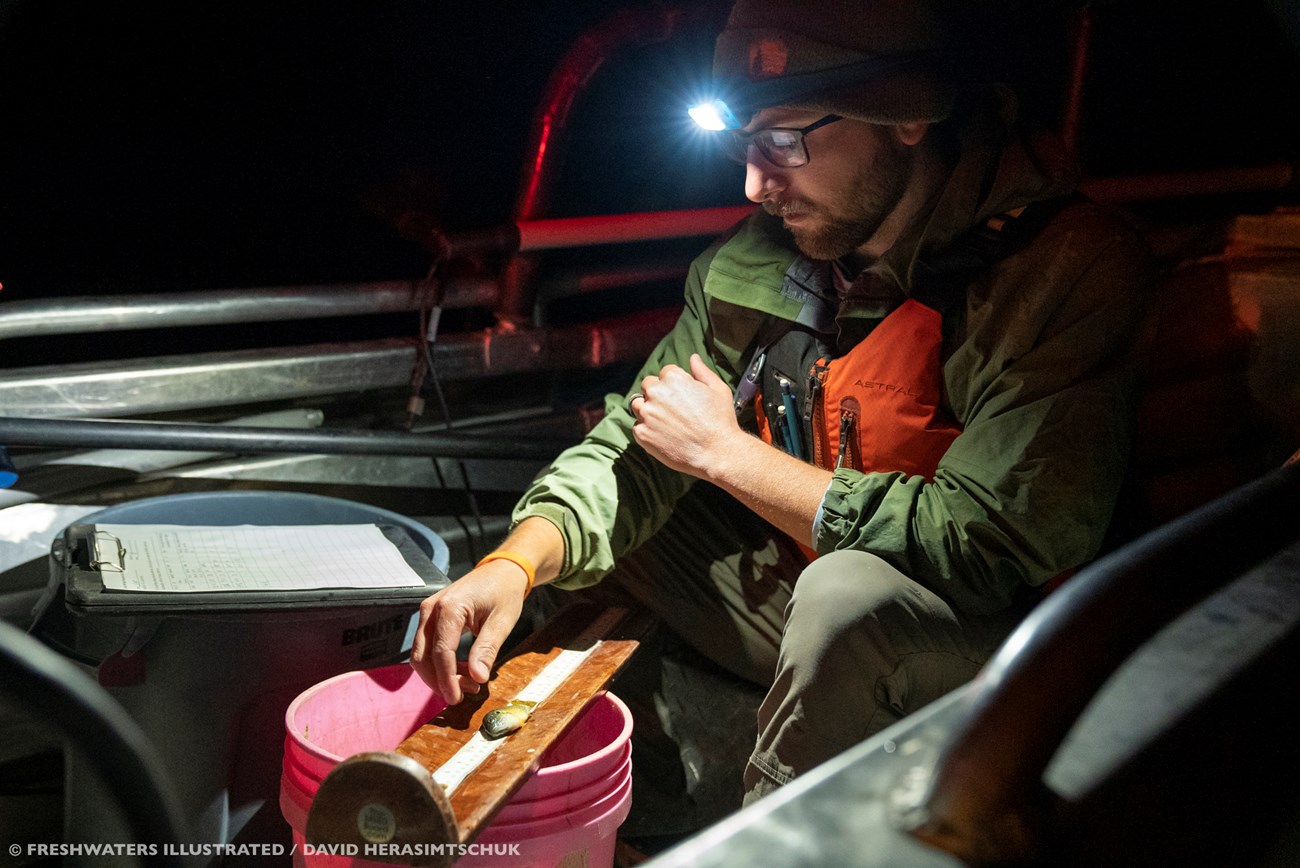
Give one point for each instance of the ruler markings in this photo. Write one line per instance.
(462, 764)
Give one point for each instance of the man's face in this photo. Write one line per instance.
(855, 176)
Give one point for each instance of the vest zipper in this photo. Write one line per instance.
(812, 413)
(847, 419)
(850, 409)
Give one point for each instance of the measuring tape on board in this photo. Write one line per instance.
(462, 764)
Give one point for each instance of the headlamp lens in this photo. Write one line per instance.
(714, 115)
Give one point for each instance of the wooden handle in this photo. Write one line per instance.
(386, 800)
(390, 799)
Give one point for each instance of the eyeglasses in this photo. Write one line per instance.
(781, 146)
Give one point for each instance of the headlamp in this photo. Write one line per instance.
(745, 97)
(714, 115)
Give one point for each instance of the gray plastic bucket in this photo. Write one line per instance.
(211, 689)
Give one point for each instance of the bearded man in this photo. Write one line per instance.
(898, 400)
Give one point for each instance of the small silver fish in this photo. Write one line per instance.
(506, 719)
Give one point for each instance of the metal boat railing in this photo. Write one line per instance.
(185, 382)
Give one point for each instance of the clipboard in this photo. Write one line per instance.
(83, 553)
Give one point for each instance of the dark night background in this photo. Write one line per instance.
(157, 145)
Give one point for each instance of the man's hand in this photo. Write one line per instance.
(486, 602)
(686, 420)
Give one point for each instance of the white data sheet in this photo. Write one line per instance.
(189, 558)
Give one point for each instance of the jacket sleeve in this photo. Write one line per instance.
(606, 495)
(1044, 386)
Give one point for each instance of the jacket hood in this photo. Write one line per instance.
(1001, 168)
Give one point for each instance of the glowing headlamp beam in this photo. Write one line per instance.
(714, 115)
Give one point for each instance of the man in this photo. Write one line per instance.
(912, 364)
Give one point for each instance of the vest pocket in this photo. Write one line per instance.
(784, 415)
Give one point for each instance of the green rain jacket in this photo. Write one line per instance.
(1038, 372)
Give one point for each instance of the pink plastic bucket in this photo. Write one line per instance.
(570, 808)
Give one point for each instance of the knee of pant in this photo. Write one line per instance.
(846, 590)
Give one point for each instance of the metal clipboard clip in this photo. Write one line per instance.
(106, 552)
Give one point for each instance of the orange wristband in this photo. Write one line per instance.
(518, 560)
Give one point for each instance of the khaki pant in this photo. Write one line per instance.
(844, 646)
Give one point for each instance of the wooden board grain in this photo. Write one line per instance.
(492, 784)
(489, 788)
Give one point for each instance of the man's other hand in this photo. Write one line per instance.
(686, 419)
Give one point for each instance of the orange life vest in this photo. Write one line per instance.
(877, 408)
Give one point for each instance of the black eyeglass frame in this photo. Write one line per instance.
(736, 144)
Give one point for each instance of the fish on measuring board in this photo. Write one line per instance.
(506, 719)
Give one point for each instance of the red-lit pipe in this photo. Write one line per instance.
(530, 235)
(560, 232)
(1072, 117)
(1275, 177)
(620, 228)
(626, 28)
(587, 54)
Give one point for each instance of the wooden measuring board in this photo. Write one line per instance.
(444, 783)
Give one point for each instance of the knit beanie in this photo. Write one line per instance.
(874, 60)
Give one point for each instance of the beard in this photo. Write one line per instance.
(870, 197)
